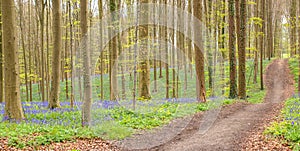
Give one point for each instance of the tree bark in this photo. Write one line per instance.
(13, 107)
(262, 47)
(232, 52)
(87, 104)
(199, 57)
(242, 50)
(270, 30)
(56, 55)
(113, 55)
(1, 60)
(144, 65)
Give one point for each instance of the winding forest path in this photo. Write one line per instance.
(232, 124)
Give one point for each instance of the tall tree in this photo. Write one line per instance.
(242, 50)
(232, 52)
(87, 104)
(56, 56)
(13, 107)
(22, 26)
(199, 57)
(29, 50)
(113, 53)
(165, 30)
(41, 13)
(144, 73)
(262, 47)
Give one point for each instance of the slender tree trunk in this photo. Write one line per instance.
(56, 55)
(293, 14)
(173, 55)
(262, 44)
(66, 61)
(100, 6)
(208, 19)
(270, 30)
(13, 107)
(22, 26)
(42, 63)
(71, 54)
(113, 55)
(222, 47)
(242, 50)
(144, 74)
(256, 44)
(199, 57)
(190, 46)
(166, 54)
(232, 52)
(87, 104)
(29, 50)
(48, 51)
(154, 48)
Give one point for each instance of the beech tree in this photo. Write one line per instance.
(87, 104)
(232, 52)
(13, 108)
(144, 66)
(56, 63)
(242, 50)
(199, 57)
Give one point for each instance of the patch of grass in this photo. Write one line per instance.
(288, 129)
(294, 68)
(23, 134)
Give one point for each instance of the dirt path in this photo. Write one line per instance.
(232, 123)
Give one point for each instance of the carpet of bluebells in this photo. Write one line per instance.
(110, 120)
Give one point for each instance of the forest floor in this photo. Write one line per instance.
(237, 127)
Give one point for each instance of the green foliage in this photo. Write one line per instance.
(159, 116)
(23, 134)
(288, 130)
(294, 68)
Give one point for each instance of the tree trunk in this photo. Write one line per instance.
(56, 55)
(1, 60)
(270, 30)
(242, 50)
(167, 54)
(113, 55)
(199, 57)
(29, 50)
(22, 26)
(100, 6)
(262, 44)
(144, 74)
(87, 104)
(13, 107)
(293, 14)
(232, 52)
(71, 54)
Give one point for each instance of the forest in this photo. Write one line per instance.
(149, 75)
